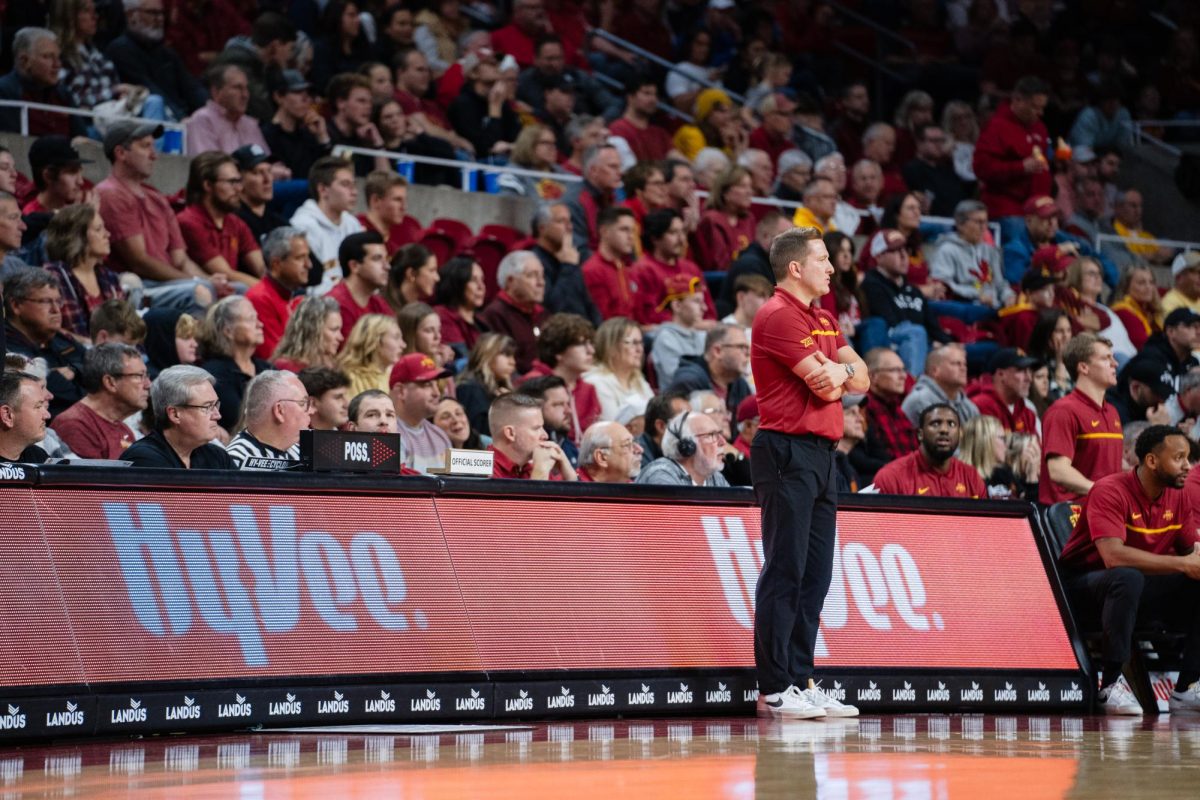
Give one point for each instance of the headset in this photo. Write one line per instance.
(687, 444)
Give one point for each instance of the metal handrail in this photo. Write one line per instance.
(850, 51)
(662, 62)
(872, 24)
(25, 106)
(1140, 136)
(666, 108)
(1177, 244)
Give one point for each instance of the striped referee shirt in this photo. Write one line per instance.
(249, 453)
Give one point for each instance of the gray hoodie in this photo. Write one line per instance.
(926, 392)
(958, 265)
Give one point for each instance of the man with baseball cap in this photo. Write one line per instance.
(1144, 386)
(1040, 229)
(1174, 344)
(1185, 271)
(414, 391)
(57, 170)
(850, 450)
(1007, 398)
(146, 239)
(1016, 322)
(684, 335)
(911, 323)
(258, 189)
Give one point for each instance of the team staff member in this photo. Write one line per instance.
(1134, 553)
(802, 366)
(932, 470)
(1081, 433)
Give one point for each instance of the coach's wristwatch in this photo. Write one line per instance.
(849, 371)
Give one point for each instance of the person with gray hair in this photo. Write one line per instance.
(276, 409)
(792, 174)
(762, 170)
(970, 267)
(691, 449)
(517, 311)
(720, 369)
(35, 78)
(33, 307)
(597, 191)
(118, 386)
(142, 59)
(285, 253)
(708, 164)
(561, 265)
(186, 420)
(229, 337)
(608, 453)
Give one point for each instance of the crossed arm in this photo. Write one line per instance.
(829, 379)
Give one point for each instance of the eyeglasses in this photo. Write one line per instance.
(714, 435)
(207, 408)
(890, 370)
(141, 376)
(738, 346)
(50, 302)
(622, 447)
(306, 403)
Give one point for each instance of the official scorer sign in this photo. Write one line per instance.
(175, 586)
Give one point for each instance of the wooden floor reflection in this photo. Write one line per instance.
(937, 757)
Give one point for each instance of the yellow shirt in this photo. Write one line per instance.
(805, 218)
(1174, 299)
(1144, 250)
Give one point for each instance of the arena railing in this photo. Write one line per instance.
(625, 44)
(24, 107)
(1176, 244)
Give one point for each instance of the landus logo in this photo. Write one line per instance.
(1006, 695)
(838, 692)
(290, 707)
(682, 697)
(14, 720)
(906, 695)
(719, 695)
(972, 695)
(124, 716)
(605, 698)
(522, 702)
(72, 717)
(1072, 695)
(750, 695)
(189, 710)
(338, 705)
(872, 692)
(939, 695)
(562, 700)
(643, 698)
(473, 703)
(385, 704)
(430, 702)
(1039, 695)
(238, 708)
(10, 473)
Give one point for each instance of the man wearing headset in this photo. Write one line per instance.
(802, 367)
(692, 455)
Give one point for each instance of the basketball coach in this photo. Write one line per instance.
(802, 367)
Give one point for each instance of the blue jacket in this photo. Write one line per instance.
(1018, 252)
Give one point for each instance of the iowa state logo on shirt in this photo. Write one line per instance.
(825, 327)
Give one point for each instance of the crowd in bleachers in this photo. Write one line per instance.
(288, 286)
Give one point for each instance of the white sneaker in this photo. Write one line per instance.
(1186, 701)
(833, 707)
(1119, 700)
(791, 702)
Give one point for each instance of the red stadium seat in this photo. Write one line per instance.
(458, 232)
(488, 251)
(509, 236)
(442, 246)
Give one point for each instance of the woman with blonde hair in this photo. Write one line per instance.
(727, 227)
(617, 377)
(985, 447)
(490, 368)
(421, 328)
(312, 336)
(535, 148)
(373, 347)
(1138, 304)
(1080, 298)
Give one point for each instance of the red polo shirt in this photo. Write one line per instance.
(274, 305)
(762, 139)
(205, 241)
(650, 143)
(1020, 419)
(351, 310)
(1118, 508)
(503, 467)
(611, 285)
(913, 475)
(785, 332)
(1087, 434)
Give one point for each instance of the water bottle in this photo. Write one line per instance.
(405, 169)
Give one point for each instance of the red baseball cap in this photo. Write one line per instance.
(677, 287)
(1041, 205)
(747, 409)
(888, 240)
(1052, 259)
(416, 368)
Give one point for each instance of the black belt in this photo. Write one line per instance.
(812, 438)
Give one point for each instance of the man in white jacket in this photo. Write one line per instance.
(327, 217)
(970, 267)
